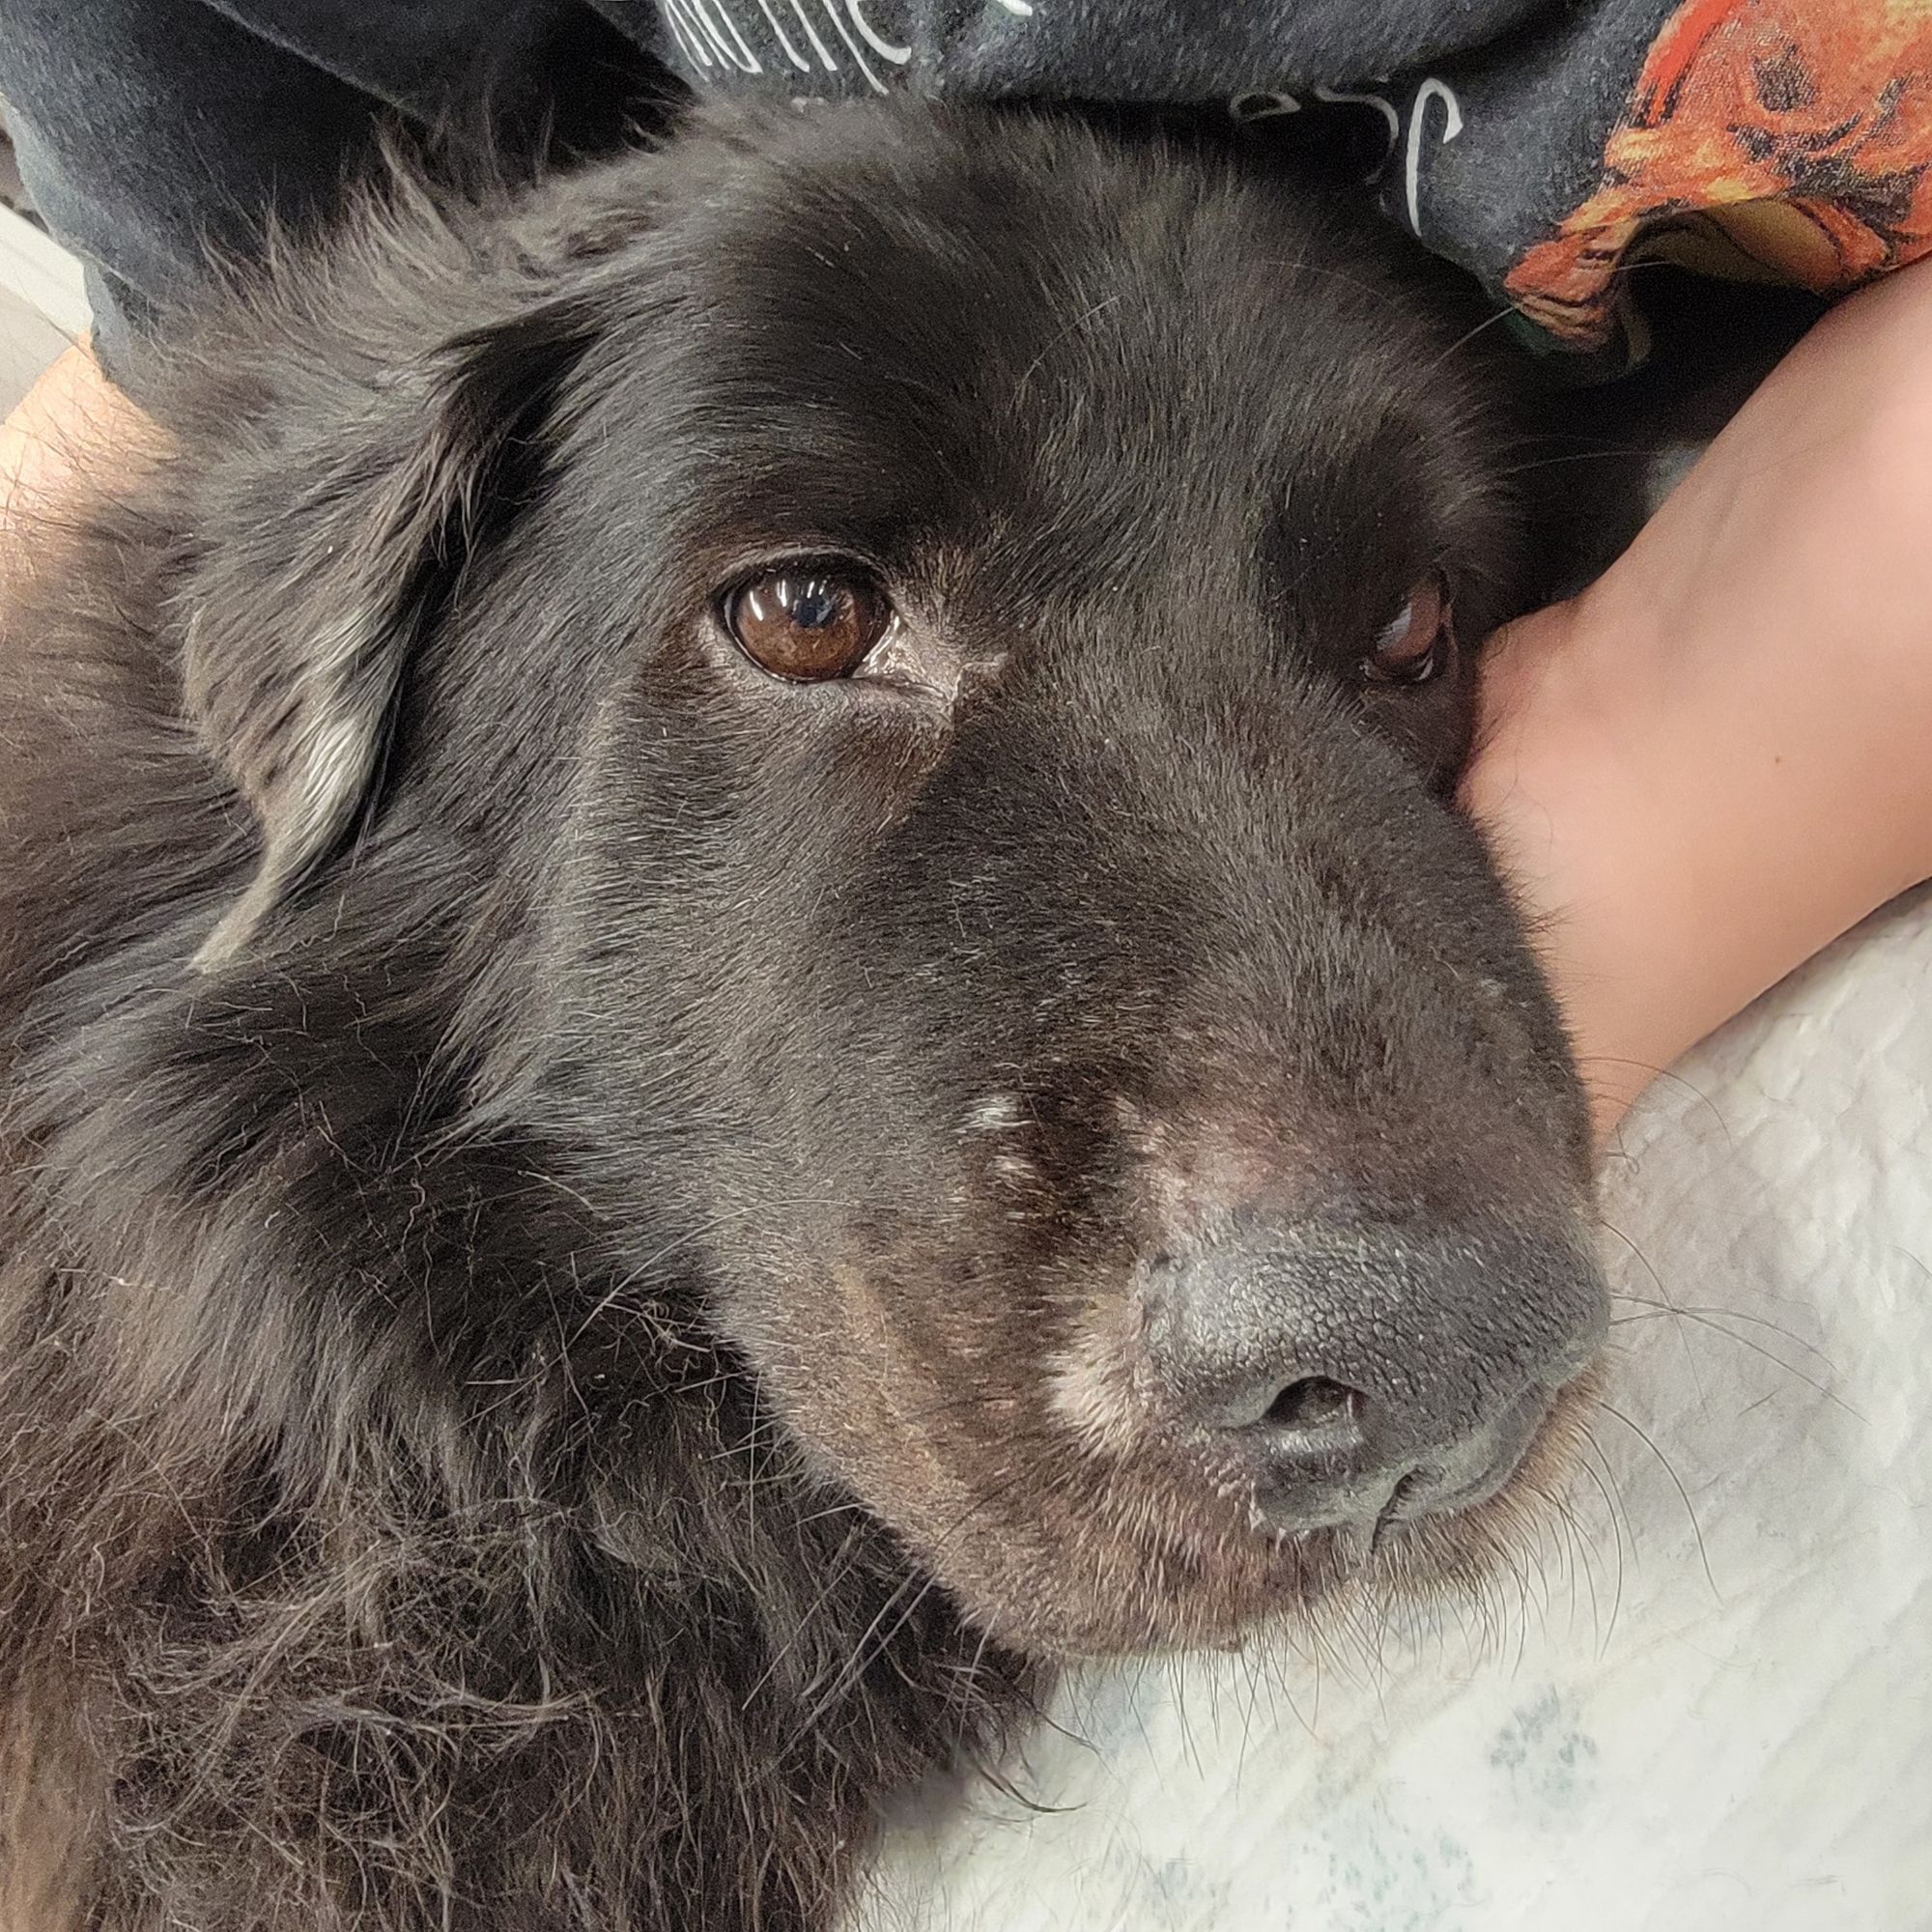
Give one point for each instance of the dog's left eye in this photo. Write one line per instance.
(809, 622)
(1418, 644)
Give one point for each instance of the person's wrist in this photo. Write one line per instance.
(71, 418)
(1560, 788)
(1692, 796)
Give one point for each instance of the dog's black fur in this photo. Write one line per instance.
(546, 1171)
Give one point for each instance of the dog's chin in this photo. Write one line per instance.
(1155, 1574)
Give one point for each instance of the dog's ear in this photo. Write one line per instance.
(302, 622)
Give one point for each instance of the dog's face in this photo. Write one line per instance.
(982, 675)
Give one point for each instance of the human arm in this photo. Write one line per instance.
(1719, 756)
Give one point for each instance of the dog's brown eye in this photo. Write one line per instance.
(808, 622)
(1418, 644)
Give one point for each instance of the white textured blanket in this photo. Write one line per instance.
(1710, 1708)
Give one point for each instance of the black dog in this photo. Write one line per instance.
(739, 992)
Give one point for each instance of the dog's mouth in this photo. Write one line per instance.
(1174, 1449)
(1443, 1490)
(1161, 1561)
(1229, 1446)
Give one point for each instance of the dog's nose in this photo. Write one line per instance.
(1353, 1372)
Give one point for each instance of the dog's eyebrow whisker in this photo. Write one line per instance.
(1071, 329)
(1573, 456)
(1302, 266)
(1469, 335)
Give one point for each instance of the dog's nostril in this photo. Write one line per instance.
(1315, 1405)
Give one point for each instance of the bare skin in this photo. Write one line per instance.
(1719, 756)
(71, 411)
(1699, 772)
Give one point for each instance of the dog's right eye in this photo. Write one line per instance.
(809, 622)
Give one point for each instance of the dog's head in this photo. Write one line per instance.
(955, 638)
